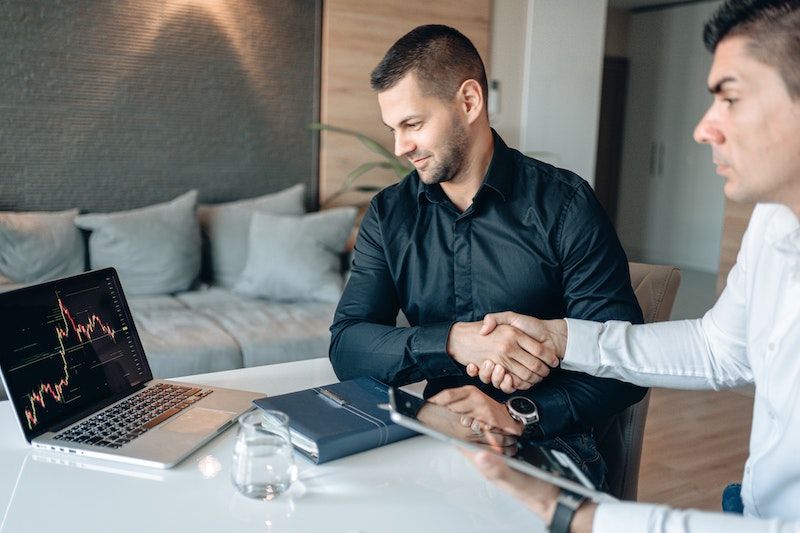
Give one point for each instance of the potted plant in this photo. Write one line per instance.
(388, 160)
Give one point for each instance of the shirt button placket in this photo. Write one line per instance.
(462, 269)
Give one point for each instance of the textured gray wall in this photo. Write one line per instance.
(115, 104)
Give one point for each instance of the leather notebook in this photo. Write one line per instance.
(339, 419)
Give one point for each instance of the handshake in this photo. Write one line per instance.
(509, 350)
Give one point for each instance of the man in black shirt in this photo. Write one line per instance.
(477, 228)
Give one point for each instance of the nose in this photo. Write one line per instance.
(402, 144)
(707, 130)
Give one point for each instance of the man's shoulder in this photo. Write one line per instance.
(538, 183)
(541, 176)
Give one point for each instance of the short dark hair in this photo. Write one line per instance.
(441, 57)
(772, 28)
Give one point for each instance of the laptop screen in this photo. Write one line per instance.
(66, 346)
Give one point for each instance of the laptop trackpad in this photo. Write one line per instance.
(198, 420)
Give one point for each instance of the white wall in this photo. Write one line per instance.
(560, 62)
(505, 64)
(547, 55)
(671, 203)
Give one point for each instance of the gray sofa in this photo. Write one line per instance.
(211, 287)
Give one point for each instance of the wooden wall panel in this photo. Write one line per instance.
(356, 35)
(737, 216)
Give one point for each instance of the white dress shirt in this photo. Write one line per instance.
(751, 335)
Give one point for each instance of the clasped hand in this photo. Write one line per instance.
(509, 350)
(470, 415)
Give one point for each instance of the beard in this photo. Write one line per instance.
(451, 157)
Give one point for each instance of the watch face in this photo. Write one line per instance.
(522, 405)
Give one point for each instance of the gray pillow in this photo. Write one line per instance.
(38, 246)
(226, 226)
(297, 258)
(155, 249)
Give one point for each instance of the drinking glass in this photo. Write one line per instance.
(263, 458)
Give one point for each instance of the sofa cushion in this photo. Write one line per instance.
(226, 227)
(267, 331)
(38, 246)
(155, 249)
(296, 259)
(179, 341)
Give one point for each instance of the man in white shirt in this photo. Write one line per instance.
(751, 335)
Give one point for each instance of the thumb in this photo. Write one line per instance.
(489, 324)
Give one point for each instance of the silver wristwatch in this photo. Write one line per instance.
(524, 410)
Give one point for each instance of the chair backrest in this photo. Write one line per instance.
(620, 441)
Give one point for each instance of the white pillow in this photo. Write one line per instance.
(227, 226)
(297, 258)
(155, 249)
(38, 246)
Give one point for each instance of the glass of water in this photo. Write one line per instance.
(263, 458)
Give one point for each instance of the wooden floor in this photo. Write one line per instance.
(695, 443)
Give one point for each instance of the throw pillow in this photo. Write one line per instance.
(155, 249)
(297, 258)
(38, 246)
(226, 226)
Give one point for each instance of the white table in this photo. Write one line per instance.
(417, 485)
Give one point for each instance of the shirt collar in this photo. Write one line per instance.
(783, 231)
(499, 176)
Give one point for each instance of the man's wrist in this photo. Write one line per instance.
(562, 336)
(567, 504)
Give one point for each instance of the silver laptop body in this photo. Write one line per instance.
(70, 355)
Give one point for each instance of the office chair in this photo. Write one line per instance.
(620, 441)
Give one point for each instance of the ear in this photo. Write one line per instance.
(472, 99)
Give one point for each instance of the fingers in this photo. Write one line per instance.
(540, 351)
(490, 466)
(492, 320)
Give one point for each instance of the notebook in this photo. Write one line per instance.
(78, 378)
(538, 461)
(338, 419)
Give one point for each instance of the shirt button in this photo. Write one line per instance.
(771, 346)
(796, 276)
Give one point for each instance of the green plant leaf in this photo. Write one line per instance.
(399, 166)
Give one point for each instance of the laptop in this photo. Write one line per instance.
(78, 378)
(542, 462)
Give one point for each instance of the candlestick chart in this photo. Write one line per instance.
(62, 346)
(71, 334)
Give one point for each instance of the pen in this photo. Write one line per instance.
(335, 398)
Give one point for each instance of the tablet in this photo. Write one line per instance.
(539, 461)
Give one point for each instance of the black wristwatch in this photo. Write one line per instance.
(568, 503)
(524, 410)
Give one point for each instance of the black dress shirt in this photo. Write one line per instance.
(535, 240)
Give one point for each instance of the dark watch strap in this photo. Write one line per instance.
(533, 432)
(568, 503)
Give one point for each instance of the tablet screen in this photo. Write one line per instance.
(532, 458)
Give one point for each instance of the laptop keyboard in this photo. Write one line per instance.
(134, 416)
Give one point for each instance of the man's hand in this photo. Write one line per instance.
(550, 335)
(450, 423)
(524, 360)
(478, 411)
(537, 495)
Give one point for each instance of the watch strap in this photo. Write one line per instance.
(568, 503)
(533, 432)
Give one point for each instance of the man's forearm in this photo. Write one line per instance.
(394, 355)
